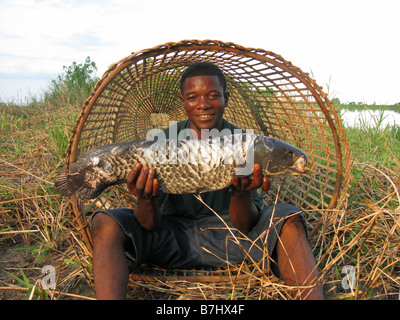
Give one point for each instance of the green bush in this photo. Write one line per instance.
(74, 85)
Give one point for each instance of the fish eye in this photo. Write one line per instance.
(290, 154)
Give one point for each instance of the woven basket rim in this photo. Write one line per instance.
(333, 120)
(260, 54)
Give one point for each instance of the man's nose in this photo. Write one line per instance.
(204, 102)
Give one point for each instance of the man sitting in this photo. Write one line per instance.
(170, 230)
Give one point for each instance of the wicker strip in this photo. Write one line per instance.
(267, 94)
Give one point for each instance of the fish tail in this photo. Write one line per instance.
(68, 184)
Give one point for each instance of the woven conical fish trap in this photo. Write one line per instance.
(267, 94)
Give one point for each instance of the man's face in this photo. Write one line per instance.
(204, 101)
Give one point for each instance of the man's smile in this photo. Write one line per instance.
(205, 117)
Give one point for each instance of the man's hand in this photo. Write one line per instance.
(142, 183)
(248, 184)
(243, 213)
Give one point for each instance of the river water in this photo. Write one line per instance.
(370, 118)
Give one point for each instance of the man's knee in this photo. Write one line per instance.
(296, 223)
(104, 225)
(295, 219)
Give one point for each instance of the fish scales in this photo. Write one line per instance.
(189, 166)
(182, 166)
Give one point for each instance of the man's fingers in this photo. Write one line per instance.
(247, 183)
(155, 187)
(142, 183)
(148, 189)
(133, 173)
(266, 183)
(136, 183)
(241, 183)
(236, 181)
(141, 180)
(132, 176)
(257, 176)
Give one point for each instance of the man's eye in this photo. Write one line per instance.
(191, 98)
(214, 96)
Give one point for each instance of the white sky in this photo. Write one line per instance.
(351, 47)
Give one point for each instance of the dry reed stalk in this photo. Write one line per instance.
(247, 280)
(76, 296)
(365, 236)
(35, 217)
(368, 236)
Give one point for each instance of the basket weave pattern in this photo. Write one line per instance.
(267, 94)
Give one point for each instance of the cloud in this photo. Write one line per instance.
(42, 36)
(24, 76)
(350, 42)
(84, 42)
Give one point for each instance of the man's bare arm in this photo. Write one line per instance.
(243, 213)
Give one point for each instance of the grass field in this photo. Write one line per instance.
(35, 229)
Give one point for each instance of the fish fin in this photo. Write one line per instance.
(86, 192)
(68, 183)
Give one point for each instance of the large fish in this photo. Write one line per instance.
(182, 166)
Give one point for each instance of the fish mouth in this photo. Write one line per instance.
(299, 165)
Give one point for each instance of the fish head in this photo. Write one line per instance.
(277, 157)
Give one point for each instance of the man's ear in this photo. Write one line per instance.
(226, 96)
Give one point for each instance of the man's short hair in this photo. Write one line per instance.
(203, 69)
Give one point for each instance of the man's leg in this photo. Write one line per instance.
(110, 266)
(295, 259)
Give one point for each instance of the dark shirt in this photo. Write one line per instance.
(186, 205)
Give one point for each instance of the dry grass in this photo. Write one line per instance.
(367, 237)
(36, 230)
(364, 234)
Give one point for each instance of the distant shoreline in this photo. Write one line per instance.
(362, 107)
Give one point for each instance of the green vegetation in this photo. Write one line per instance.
(359, 106)
(35, 225)
(362, 107)
(74, 85)
(371, 140)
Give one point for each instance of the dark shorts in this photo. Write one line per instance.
(185, 243)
